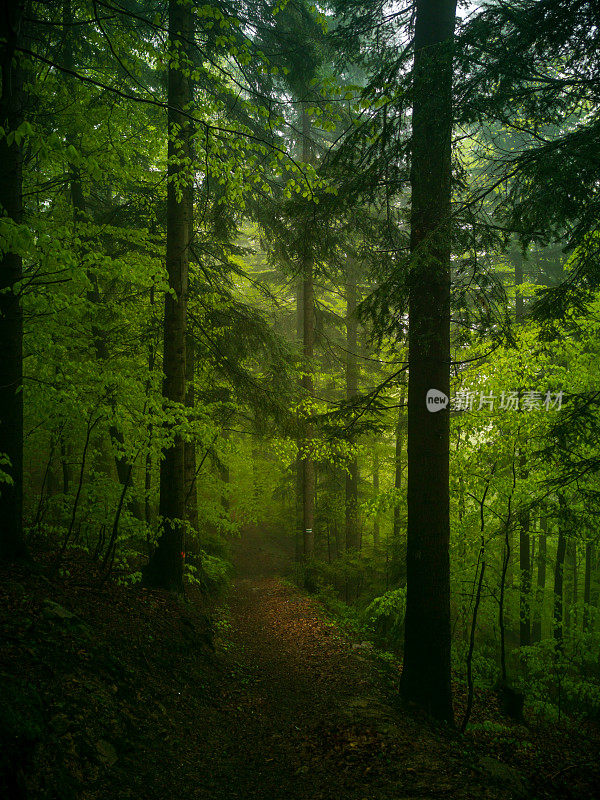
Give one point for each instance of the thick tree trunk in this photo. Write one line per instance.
(12, 545)
(426, 674)
(351, 504)
(165, 568)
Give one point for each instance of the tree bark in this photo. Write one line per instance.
(570, 595)
(191, 490)
(558, 582)
(587, 586)
(308, 339)
(64, 462)
(426, 674)
(12, 545)
(148, 510)
(523, 517)
(165, 567)
(516, 256)
(299, 476)
(525, 582)
(536, 630)
(351, 504)
(398, 554)
(376, 533)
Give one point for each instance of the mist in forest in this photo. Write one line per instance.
(300, 408)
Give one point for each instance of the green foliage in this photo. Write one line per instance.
(560, 681)
(211, 573)
(5, 477)
(383, 618)
(92, 240)
(346, 616)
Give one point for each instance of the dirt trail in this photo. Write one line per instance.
(116, 694)
(300, 714)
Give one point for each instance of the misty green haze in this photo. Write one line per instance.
(299, 399)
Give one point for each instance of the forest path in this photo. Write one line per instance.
(301, 713)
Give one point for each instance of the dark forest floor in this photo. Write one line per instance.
(117, 693)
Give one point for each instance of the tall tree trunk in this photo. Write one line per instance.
(523, 516)
(64, 462)
(224, 474)
(53, 482)
(299, 537)
(308, 465)
(256, 472)
(308, 316)
(148, 510)
(559, 569)
(536, 630)
(594, 584)
(525, 582)
(12, 545)
(398, 550)
(426, 675)
(351, 504)
(570, 601)
(191, 483)
(574, 615)
(376, 534)
(516, 256)
(191, 490)
(165, 567)
(587, 586)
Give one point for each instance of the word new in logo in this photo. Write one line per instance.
(436, 400)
